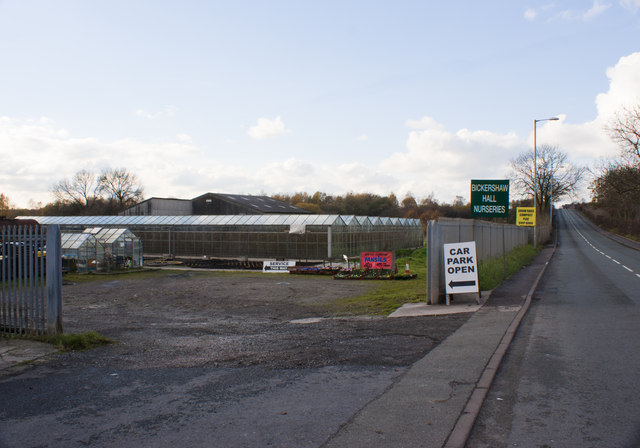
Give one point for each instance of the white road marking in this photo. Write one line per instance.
(598, 250)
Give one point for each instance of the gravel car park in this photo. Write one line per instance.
(203, 319)
(212, 359)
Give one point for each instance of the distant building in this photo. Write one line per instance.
(213, 204)
(241, 204)
(160, 207)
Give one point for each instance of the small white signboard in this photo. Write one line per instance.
(277, 266)
(461, 268)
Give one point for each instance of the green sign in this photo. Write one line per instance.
(490, 198)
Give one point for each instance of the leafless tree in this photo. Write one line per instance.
(120, 186)
(82, 189)
(5, 204)
(625, 130)
(556, 176)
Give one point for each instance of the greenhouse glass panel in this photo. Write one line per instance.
(271, 219)
(234, 219)
(363, 221)
(81, 252)
(123, 249)
(349, 219)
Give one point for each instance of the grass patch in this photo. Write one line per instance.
(78, 341)
(491, 272)
(389, 295)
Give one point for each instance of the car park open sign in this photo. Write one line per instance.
(461, 273)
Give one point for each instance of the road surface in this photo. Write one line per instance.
(571, 377)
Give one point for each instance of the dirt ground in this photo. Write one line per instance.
(196, 319)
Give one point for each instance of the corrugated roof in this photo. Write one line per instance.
(263, 204)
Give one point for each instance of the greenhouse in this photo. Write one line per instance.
(81, 252)
(294, 237)
(123, 249)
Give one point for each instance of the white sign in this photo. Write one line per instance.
(461, 268)
(277, 266)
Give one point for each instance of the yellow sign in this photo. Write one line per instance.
(526, 216)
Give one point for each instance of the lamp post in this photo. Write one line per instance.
(535, 177)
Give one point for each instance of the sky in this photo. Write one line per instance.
(278, 96)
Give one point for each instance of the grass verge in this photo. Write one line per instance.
(388, 295)
(492, 272)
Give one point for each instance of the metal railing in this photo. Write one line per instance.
(30, 280)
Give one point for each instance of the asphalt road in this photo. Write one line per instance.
(571, 378)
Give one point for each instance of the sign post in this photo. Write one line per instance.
(461, 268)
(490, 198)
(526, 216)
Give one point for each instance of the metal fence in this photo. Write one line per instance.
(492, 240)
(30, 280)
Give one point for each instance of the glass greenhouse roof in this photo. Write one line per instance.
(110, 235)
(224, 220)
(77, 240)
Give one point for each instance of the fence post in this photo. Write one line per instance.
(54, 281)
(433, 263)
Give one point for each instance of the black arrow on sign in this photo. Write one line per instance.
(453, 284)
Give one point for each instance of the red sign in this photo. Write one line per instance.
(376, 260)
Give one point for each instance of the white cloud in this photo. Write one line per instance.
(42, 153)
(588, 142)
(631, 5)
(266, 128)
(551, 12)
(444, 162)
(596, 10)
(424, 123)
(362, 138)
(530, 14)
(37, 153)
(166, 111)
(624, 86)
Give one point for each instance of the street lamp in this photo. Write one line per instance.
(535, 176)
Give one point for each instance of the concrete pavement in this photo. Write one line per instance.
(16, 353)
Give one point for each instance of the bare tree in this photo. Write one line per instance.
(120, 186)
(5, 204)
(556, 176)
(82, 189)
(625, 130)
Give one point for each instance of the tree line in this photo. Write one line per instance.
(369, 204)
(616, 185)
(86, 193)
